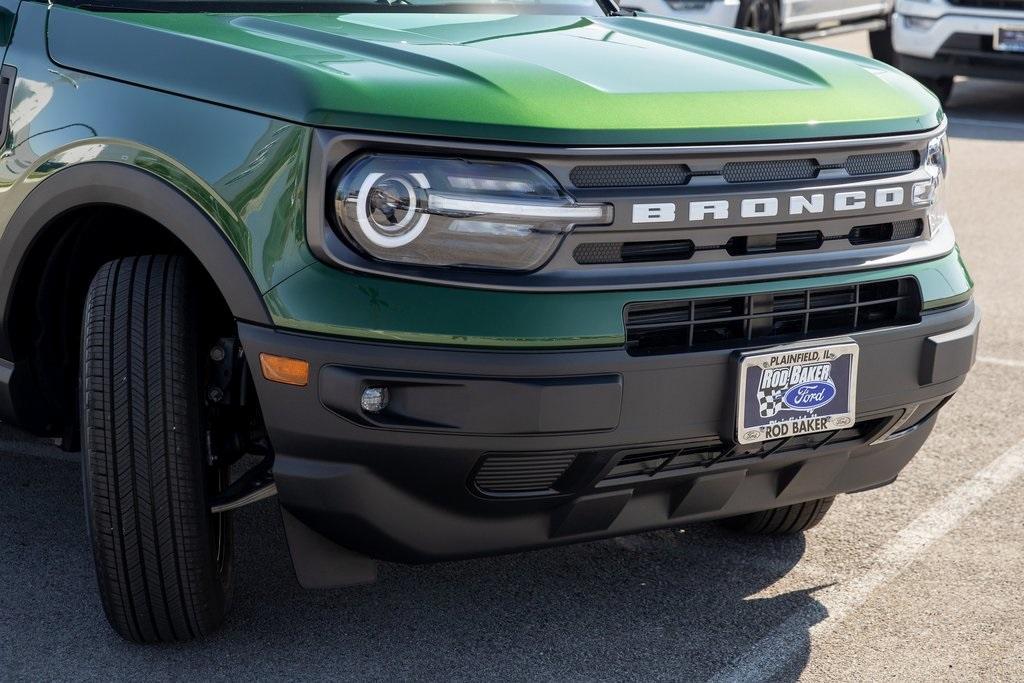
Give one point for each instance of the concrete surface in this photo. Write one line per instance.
(917, 581)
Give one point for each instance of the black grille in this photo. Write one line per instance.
(880, 164)
(651, 463)
(990, 4)
(887, 232)
(763, 171)
(905, 230)
(774, 243)
(636, 175)
(768, 171)
(522, 474)
(662, 327)
(603, 253)
(594, 253)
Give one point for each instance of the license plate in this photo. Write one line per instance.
(1009, 39)
(795, 390)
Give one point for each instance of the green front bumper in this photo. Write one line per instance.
(326, 300)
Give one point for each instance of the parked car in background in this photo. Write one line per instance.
(935, 40)
(801, 19)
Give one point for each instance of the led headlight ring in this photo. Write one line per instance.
(404, 231)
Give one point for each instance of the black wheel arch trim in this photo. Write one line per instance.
(110, 183)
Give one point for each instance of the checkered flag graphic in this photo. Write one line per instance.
(770, 402)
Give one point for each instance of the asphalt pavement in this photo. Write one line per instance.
(921, 580)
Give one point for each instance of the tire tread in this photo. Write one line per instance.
(781, 521)
(144, 465)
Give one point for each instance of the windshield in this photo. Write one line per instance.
(571, 7)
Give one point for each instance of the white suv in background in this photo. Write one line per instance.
(717, 12)
(794, 18)
(935, 40)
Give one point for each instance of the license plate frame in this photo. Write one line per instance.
(811, 388)
(1009, 38)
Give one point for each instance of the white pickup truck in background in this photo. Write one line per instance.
(935, 40)
(801, 19)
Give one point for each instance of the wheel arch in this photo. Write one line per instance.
(50, 216)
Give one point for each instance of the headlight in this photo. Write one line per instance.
(453, 212)
(931, 192)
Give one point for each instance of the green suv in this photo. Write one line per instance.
(457, 279)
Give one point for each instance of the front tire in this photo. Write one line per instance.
(942, 86)
(783, 521)
(881, 45)
(760, 16)
(163, 562)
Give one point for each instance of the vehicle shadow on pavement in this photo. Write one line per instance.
(987, 110)
(666, 605)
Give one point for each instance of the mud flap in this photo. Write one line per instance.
(322, 563)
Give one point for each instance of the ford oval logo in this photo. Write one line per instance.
(809, 395)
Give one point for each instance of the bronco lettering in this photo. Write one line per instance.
(706, 210)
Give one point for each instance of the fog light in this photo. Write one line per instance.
(918, 23)
(374, 399)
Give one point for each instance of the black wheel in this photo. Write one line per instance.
(790, 519)
(942, 86)
(881, 45)
(163, 562)
(761, 16)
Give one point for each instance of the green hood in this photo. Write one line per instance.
(538, 79)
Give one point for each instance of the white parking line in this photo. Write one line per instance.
(773, 652)
(1008, 362)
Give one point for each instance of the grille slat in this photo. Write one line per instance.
(630, 175)
(754, 316)
(882, 164)
(594, 253)
(652, 251)
(905, 230)
(770, 171)
(655, 328)
(633, 465)
(519, 474)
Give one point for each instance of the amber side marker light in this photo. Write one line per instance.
(285, 370)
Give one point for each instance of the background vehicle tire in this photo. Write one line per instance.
(163, 563)
(942, 86)
(881, 45)
(790, 519)
(761, 16)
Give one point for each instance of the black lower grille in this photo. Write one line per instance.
(522, 474)
(662, 327)
(649, 463)
(990, 4)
